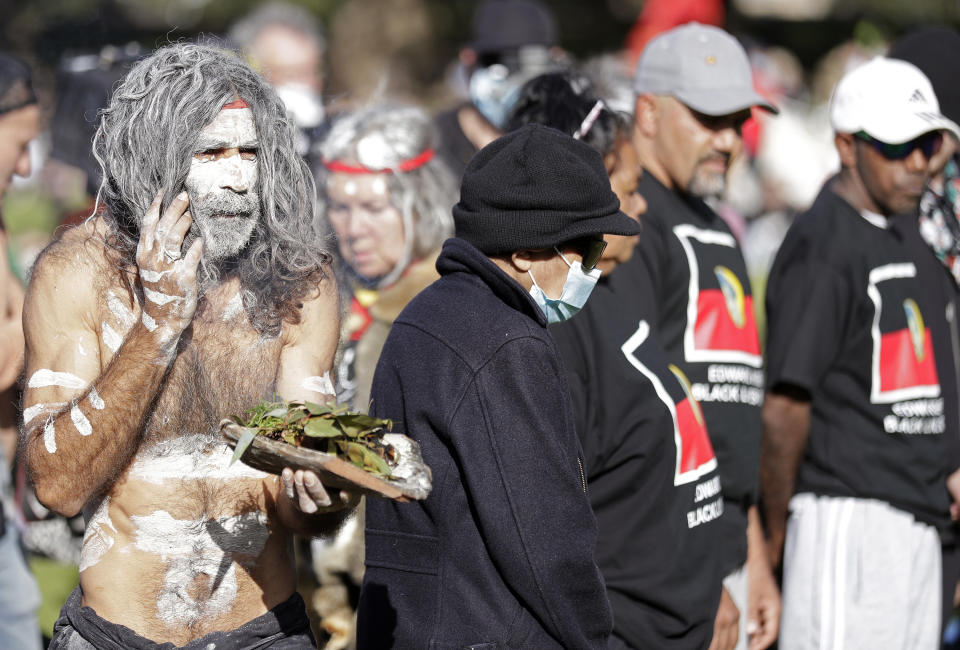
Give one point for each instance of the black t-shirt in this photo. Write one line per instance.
(705, 321)
(849, 322)
(652, 474)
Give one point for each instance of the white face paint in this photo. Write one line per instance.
(50, 437)
(96, 540)
(189, 458)
(80, 421)
(44, 378)
(223, 183)
(195, 550)
(321, 384)
(120, 311)
(350, 188)
(110, 337)
(379, 186)
(95, 400)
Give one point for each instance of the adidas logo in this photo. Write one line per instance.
(917, 96)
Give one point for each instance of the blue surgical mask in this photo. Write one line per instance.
(576, 290)
(492, 92)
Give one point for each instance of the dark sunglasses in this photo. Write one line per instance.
(590, 250)
(928, 143)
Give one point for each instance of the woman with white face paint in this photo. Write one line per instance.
(388, 202)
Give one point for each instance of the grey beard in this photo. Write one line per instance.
(223, 238)
(707, 185)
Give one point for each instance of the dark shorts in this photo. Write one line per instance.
(285, 627)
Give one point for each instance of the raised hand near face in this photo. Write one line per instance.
(169, 281)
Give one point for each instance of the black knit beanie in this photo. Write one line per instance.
(535, 188)
(936, 51)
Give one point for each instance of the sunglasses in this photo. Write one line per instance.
(928, 143)
(590, 250)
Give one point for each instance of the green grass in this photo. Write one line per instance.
(56, 581)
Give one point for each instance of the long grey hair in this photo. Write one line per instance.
(145, 144)
(381, 137)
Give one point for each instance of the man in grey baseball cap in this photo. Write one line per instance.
(694, 91)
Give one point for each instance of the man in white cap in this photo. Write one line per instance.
(855, 437)
(694, 92)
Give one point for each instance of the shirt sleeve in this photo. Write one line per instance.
(808, 303)
(651, 263)
(521, 466)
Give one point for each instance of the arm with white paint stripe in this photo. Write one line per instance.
(306, 360)
(85, 413)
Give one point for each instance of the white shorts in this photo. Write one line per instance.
(859, 573)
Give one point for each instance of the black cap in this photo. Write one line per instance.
(16, 91)
(535, 188)
(936, 51)
(509, 24)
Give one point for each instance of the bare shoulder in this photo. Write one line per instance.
(70, 272)
(318, 329)
(319, 310)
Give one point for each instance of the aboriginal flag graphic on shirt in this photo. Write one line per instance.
(903, 361)
(695, 456)
(720, 321)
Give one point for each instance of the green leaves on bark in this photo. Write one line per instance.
(334, 429)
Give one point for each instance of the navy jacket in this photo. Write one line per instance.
(501, 555)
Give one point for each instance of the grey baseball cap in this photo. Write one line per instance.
(702, 66)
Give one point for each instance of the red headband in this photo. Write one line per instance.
(237, 104)
(405, 166)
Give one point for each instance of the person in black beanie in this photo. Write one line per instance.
(502, 552)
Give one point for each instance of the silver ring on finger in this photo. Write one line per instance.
(171, 256)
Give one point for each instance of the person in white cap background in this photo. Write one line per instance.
(855, 437)
(694, 92)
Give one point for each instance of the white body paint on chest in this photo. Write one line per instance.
(233, 308)
(96, 540)
(44, 378)
(80, 349)
(178, 459)
(321, 384)
(120, 311)
(199, 549)
(110, 337)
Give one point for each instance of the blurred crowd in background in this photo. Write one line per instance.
(327, 56)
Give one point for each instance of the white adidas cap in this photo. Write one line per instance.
(890, 100)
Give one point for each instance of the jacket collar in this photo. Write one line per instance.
(459, 256)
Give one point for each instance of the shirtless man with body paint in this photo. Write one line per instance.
(149, 323)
